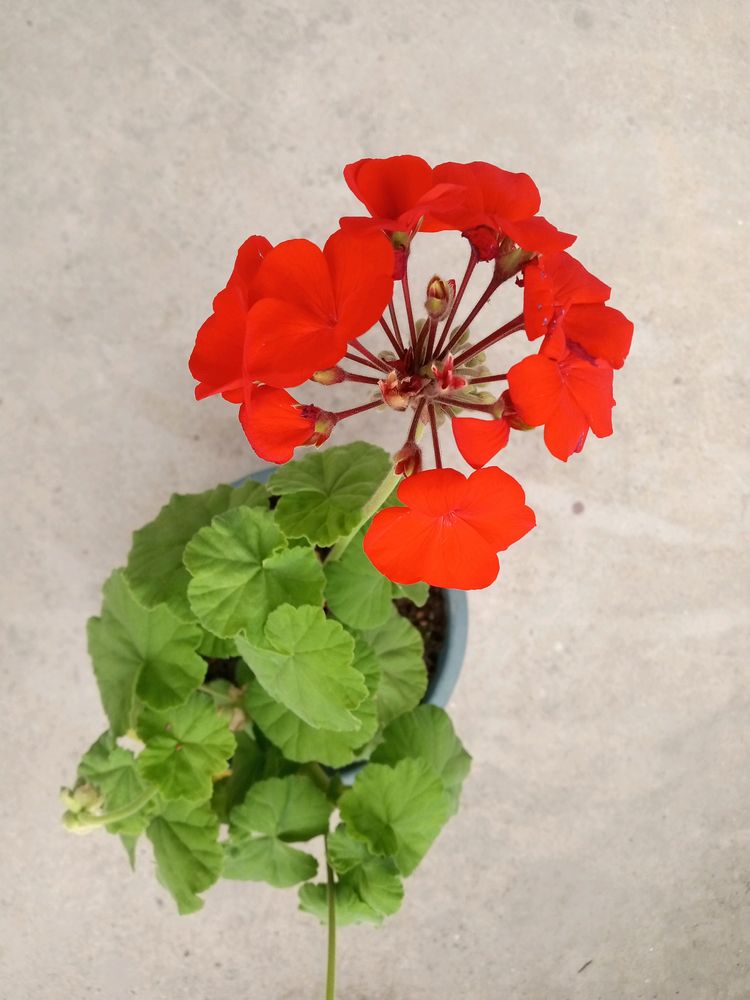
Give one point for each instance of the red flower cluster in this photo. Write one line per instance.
(293, 313)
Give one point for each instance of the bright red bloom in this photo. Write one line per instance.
(496, 203)
(398, 192)
(567, 391)
(216, 361)
(311, 303)
(480, 440)
(563, 299)
(451, 528)
(275, 423)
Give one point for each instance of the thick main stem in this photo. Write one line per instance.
(331, 964)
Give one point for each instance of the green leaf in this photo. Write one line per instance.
(268, 859)
(242, 570)
(214, 648)
(322, 495)
(112, 770)
(291, 808)
(155, 568)
(305, 663)
(252, 761)
(185, 747)
(399, 652)
(374, 879)
(188, 855)
(136, 650)
(281, 809)
(350, 908)
(356, 592)
(417, 593)
(427, 732)
(303, 743)
(397, 810)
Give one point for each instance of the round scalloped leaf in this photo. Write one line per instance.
(139, 651)
(358, 594)
(350, 909)
(303, 743)
(323, 494)
(374, 879)
(155, 568)
(185, 748)
(427, 732)
(397, 810)
(291, 808)
(399, 652)
(188, 855)
(305, 663)
(268, 859)
(242, 569)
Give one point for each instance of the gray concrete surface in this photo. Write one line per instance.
(605, 694)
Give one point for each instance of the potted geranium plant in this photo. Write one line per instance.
(261, 656)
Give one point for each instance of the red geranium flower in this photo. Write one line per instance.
(451, 528)
(480, 440)
(567, 391)
(216, 361)
(497, 203)
(311, 303)
(275, 423)
(562, 298)
(398, 192)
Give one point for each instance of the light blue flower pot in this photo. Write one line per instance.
(450, 658)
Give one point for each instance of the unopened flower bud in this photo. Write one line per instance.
(329, 376)
(408, 460)
(82, 798)
(510, 413)
(440, 296)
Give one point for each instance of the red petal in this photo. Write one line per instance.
(603, 332)
(495, 506)
(361, 277)
(537, 235)
(566, 429)
(553, 282)
(479, 440)
(507, 194)
(286, 344)
(433, 493)
(273, 423)
(249, 258)
(296, 271)
(590, 385)
(216, 361)
(389, 187)
(535, 387)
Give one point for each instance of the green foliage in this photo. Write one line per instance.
(185, 748)
(219, 583)
(280, 810)
(428, 733)
(356, 592)
(305, 663)
(397, 810)
(155, 568)
(139, 651)
(112, 770)
(399, 653)
(322, 495)
(187, 853)
(242, 569)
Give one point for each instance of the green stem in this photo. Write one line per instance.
(331, 967)
(372, 506)
(316, 773)
(80, 822)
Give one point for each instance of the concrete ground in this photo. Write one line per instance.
(602, 849)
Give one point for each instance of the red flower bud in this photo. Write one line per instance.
(440, 295)
(408, 460)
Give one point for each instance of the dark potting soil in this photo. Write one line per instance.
(429, 620)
